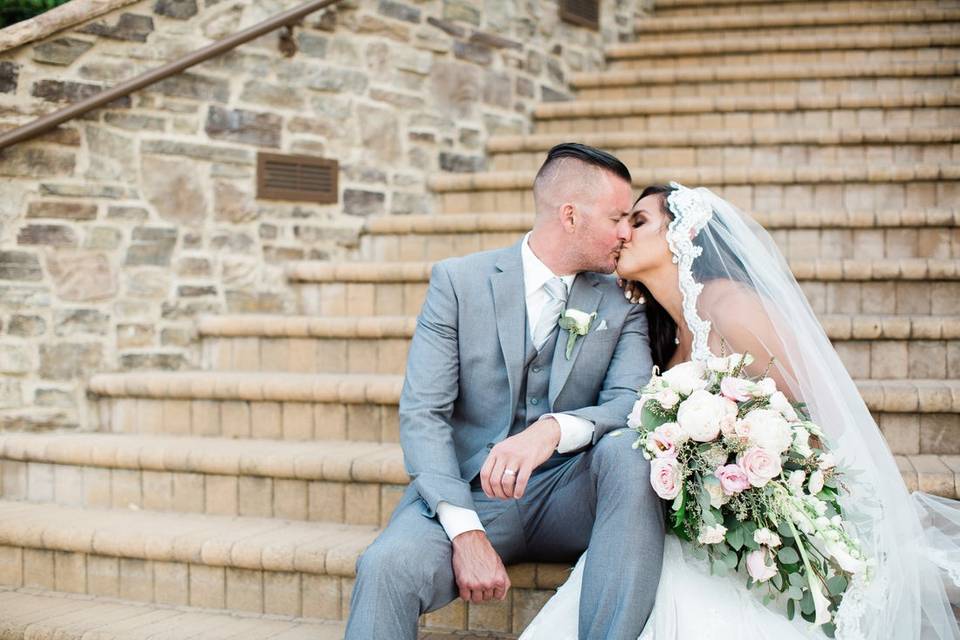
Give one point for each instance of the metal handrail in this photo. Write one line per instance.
(45, 123)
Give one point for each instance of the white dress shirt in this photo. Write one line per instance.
(575, 432)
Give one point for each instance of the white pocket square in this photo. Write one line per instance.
(602, 326)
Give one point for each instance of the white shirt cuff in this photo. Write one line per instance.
(575, 432)
(456, 520)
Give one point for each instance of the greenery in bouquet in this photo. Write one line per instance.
(751, 484)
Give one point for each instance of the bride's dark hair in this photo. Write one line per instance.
(716, 261)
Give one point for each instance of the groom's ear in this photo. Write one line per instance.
(568, 217)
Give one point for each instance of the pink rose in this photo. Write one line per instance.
(760, 465)
(732, 479)
(757, 565)
(665, 477)
(735, 388)
(660, 445)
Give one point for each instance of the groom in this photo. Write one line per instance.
(505, 429)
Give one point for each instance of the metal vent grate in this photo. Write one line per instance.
(301, 178)
(585, 13)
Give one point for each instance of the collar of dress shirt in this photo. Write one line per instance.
(535, 273)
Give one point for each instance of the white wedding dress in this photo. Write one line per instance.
(914, 541)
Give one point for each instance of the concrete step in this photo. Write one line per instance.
(761, 148)
(773, 111)
(870, 346)
(940, 43)
(794, 20)
(791, 188)
(180, 404)
(37, 613)
(255, 565)
(673, 8)
(331, 481)
(908, 286)
(929, 233)
(885, 78)
(305, 344)
(272, 406)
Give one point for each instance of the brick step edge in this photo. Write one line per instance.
(837, 326)
(35, 613)
(729, 137)
(795, 19)
(728, 104)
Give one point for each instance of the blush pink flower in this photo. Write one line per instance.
(760, 465)
(736, 389)
(757, 565)
(661, 446)
(665, 477)
(732, 479)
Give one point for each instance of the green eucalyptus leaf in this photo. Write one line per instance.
(787, 555)
(837, 585)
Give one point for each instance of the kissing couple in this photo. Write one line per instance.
(523, 369)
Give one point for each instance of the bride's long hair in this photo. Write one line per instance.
(716, 261)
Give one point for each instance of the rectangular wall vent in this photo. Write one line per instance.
(585, 13)
(300, 178)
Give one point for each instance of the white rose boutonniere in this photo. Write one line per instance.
(577, 324)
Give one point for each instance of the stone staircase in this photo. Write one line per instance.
(234, 501)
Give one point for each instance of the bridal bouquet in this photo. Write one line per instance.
(751, 484)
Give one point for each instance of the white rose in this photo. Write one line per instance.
(801, 441)
(766, 537)
(718, 365)
(779, 402)
(668, 398)
(686, 377)
(712, 535)
(672, 432)
(767, 386)
(768, 430)
(633, 420)
(816, 482)
(844, 558)
(796, 478)
(827, 461)
(699, 415)
(580, 319)
(717, 497)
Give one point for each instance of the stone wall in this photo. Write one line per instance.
(119, 229)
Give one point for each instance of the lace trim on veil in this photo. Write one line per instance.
(690, 214)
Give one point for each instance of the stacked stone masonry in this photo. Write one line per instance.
(200, 388)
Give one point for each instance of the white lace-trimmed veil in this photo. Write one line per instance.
(915, 540)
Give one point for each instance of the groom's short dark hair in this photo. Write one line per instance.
(588, 154)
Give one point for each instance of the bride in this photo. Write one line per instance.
(710, 276)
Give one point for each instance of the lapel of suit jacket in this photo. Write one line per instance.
(584, 297)
(510, 311)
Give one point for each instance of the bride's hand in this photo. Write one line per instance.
(478, 569)
(630, 290)
(507, 469)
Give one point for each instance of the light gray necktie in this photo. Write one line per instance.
(550, 314)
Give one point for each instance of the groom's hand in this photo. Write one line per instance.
(478, 569)
(508, 467)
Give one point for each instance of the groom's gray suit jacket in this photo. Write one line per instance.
(466, 368)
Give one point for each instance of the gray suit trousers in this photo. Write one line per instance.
(600, 501)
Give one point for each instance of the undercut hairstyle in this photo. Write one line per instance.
(562, 155)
